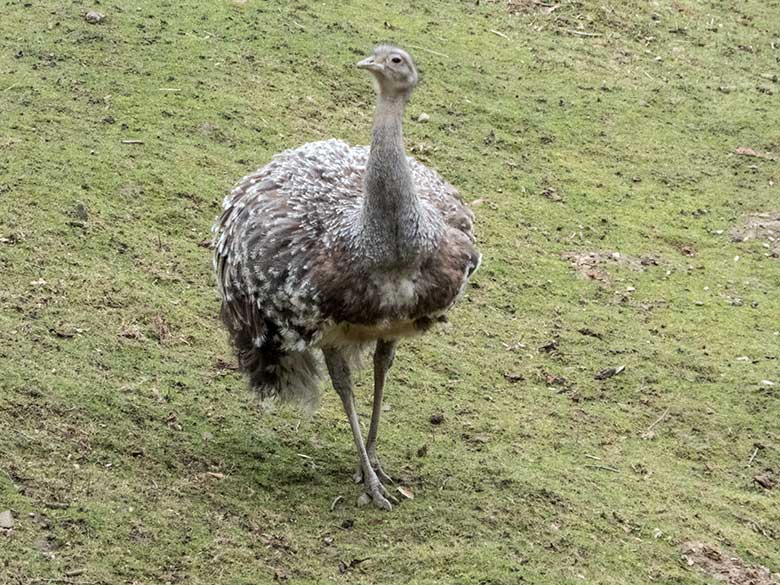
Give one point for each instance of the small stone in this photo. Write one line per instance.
(423, 117)
(94, 17)
(6, 519)
(648, 261)
(437, 418)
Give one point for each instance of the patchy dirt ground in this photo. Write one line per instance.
(763, 227)
(594, 264)
(724, 566)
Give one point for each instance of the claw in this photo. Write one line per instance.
(382, 503)
(381, 497)
(382, 475)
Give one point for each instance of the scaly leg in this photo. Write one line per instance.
(383, 359)
(338, 368)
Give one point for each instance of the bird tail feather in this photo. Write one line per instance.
(272, 372)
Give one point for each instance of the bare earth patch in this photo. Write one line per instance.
(760, 226)
(526, 6)
(724, 566)
(593, 264)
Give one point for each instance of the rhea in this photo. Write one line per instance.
(332, 249)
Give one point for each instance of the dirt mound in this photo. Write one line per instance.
(760, 226)
(724, 566)
(592, 264)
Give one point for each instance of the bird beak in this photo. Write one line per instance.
(371, 65)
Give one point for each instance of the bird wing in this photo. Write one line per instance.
(276, 223)
(444, 197)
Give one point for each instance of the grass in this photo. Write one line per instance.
(131, 454)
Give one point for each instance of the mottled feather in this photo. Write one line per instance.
(294, 273)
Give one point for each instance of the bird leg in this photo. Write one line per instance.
(383, 359)
(338, 368)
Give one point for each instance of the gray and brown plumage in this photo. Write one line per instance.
(332, 248)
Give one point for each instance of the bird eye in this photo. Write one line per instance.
(396, 59)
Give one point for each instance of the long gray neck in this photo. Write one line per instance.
(391, 209)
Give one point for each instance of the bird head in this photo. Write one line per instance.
(393, 69)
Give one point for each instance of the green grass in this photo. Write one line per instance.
(129, 453)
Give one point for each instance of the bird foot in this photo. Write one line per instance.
(373, 479)
(378, 494)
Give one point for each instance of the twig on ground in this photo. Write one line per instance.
(582, 33)
(592, 457)
(500, 34)
(335, 502)
(429, 51)
(62, 580)
(26, 436)
(604, 467)
(659, 419)
(132, 141)
(753, 456)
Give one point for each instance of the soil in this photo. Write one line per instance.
(725, 566)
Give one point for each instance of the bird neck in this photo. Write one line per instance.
(391, 209)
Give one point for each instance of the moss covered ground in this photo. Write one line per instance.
(604, 146)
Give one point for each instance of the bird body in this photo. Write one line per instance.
(295, 267)
(330, 247)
